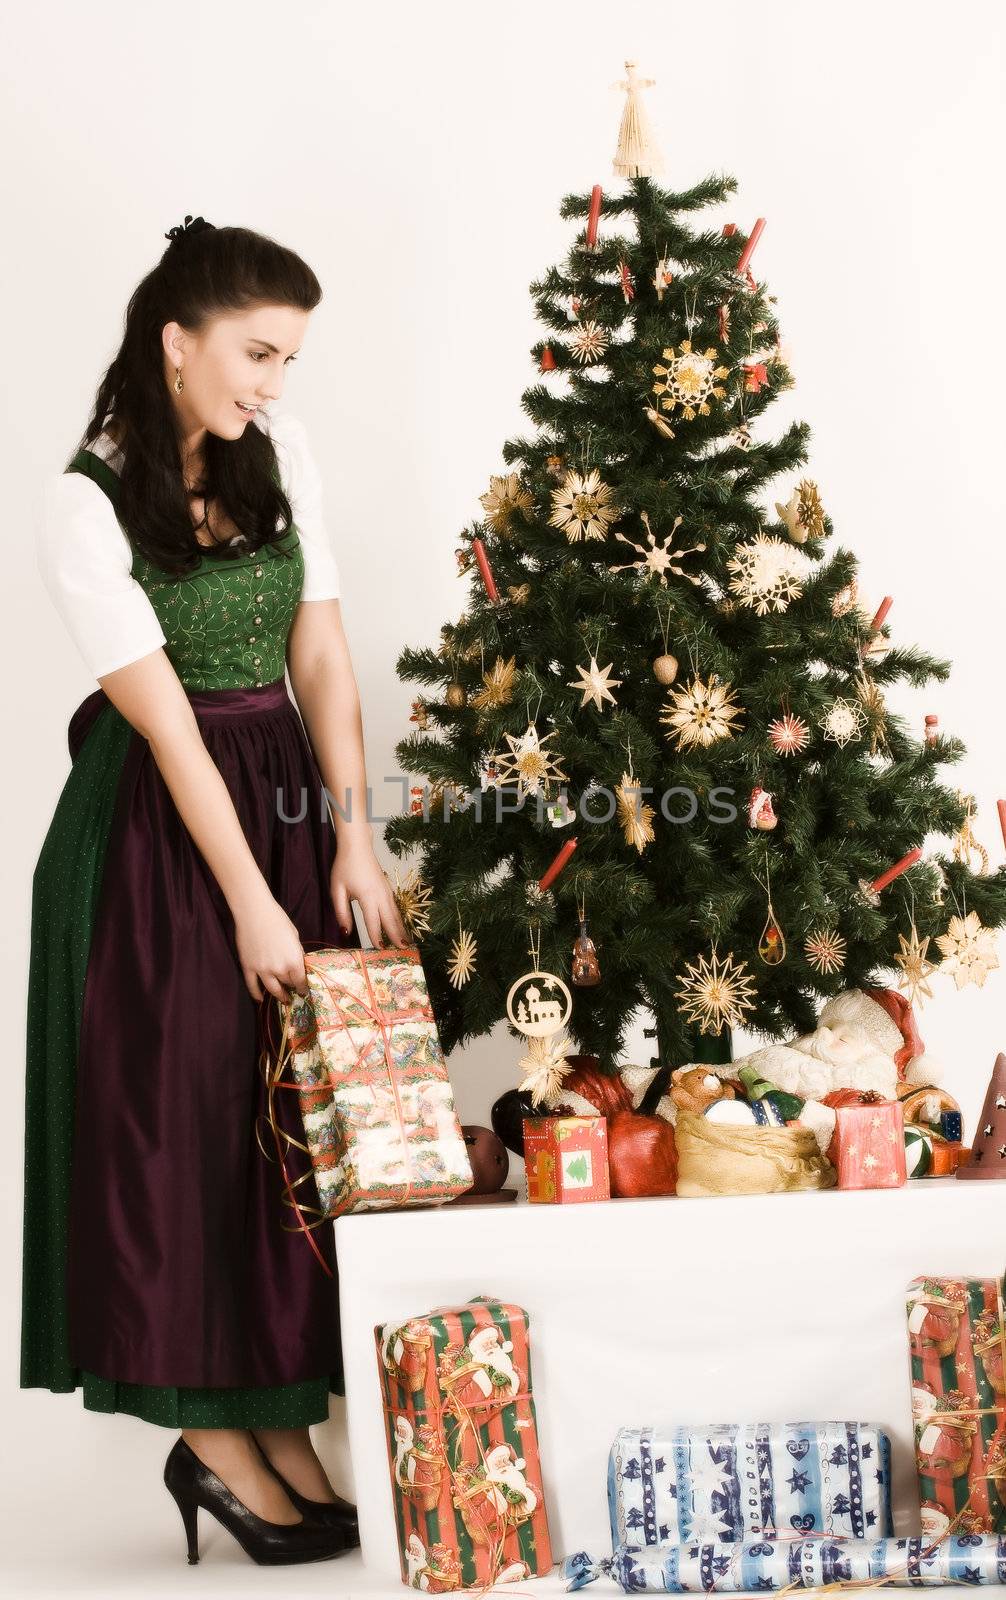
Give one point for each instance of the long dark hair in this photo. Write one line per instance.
(205, 271)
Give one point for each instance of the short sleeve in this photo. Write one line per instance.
(303, 487)
(84, 559)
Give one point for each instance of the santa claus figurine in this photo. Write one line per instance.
(865, 1040)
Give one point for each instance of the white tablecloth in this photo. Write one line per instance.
(761, 1308)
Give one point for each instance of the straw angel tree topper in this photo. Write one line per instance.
(661, 769)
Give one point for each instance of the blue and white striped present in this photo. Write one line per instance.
(725, 1482)
(767, 1565)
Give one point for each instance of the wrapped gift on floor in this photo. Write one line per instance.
(958, 1353)
(566, 1159)
(729, 1481)
(868, 1147)
(767, 1565)
(376, 1100)
(463, 1446)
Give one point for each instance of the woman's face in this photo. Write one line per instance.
(239, 357)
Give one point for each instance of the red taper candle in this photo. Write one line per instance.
(1001, 808)
(896, 871)
(552, 872)
(885, 606)
(484, 568)
(593, 215)
(748, 251)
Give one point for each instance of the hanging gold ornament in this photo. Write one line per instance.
(539, 1005)
(585, 971)
(412, 897)
(456, 695)
(802, 514)
(845, 599)
(701, 713)
(689, 379)
(968, 950)
(768, 574)
(665, 669)
(528, 763)
(657, 560)
(716, 994)
(589, 342)
(504, 500)
(965, 843)
(875, 708)
(772, 944)
(499, 685)
(663, 277)
(842, 722)
(788, 735)
(584, 508)
(543, 1068)
(825, 950)
(519, 593)
(915, 966)
(595, 683)
(660, 423)
(462, 962)
(635, 817)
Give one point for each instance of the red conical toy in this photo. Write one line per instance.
(988, 1151)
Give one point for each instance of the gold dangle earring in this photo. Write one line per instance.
(179, 385)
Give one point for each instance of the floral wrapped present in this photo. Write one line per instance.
(726, 1482)
(376, 1100)
(463, 1446)
(958, 1353)
(767, 1565)
(566, 1159)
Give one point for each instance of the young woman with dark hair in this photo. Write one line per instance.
(191, 851)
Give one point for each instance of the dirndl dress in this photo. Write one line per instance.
(163, 1273)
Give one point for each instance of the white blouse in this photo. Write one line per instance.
(84, 557)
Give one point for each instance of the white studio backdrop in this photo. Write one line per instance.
(416, 157)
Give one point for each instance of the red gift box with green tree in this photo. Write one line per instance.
(463, 1446)
(958, 1350)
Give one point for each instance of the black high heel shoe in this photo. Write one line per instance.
(193, 1484)
(337, 1513)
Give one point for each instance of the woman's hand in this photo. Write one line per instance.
(358, 875)
(269, 949)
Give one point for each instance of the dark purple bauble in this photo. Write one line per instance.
(507, 1117)
(490, 1162)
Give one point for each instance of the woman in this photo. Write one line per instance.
(190, 857)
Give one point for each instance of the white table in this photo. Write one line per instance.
(757, 1308)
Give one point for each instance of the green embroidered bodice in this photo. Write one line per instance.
(227, 621)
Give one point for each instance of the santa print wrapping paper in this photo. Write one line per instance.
(959, 1402)
(376, 1100)
(762, 1565)
(463, 1446)
(730, 1481)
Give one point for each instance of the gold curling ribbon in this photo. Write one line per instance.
(935, 1416)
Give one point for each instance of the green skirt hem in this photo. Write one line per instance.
(287, 1405)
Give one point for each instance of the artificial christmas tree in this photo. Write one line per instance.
(656, 609)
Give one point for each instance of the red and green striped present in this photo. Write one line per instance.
(463, 1446)
(958, 1351)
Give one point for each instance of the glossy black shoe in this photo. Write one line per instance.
(193, 1484)
(337, 1513)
